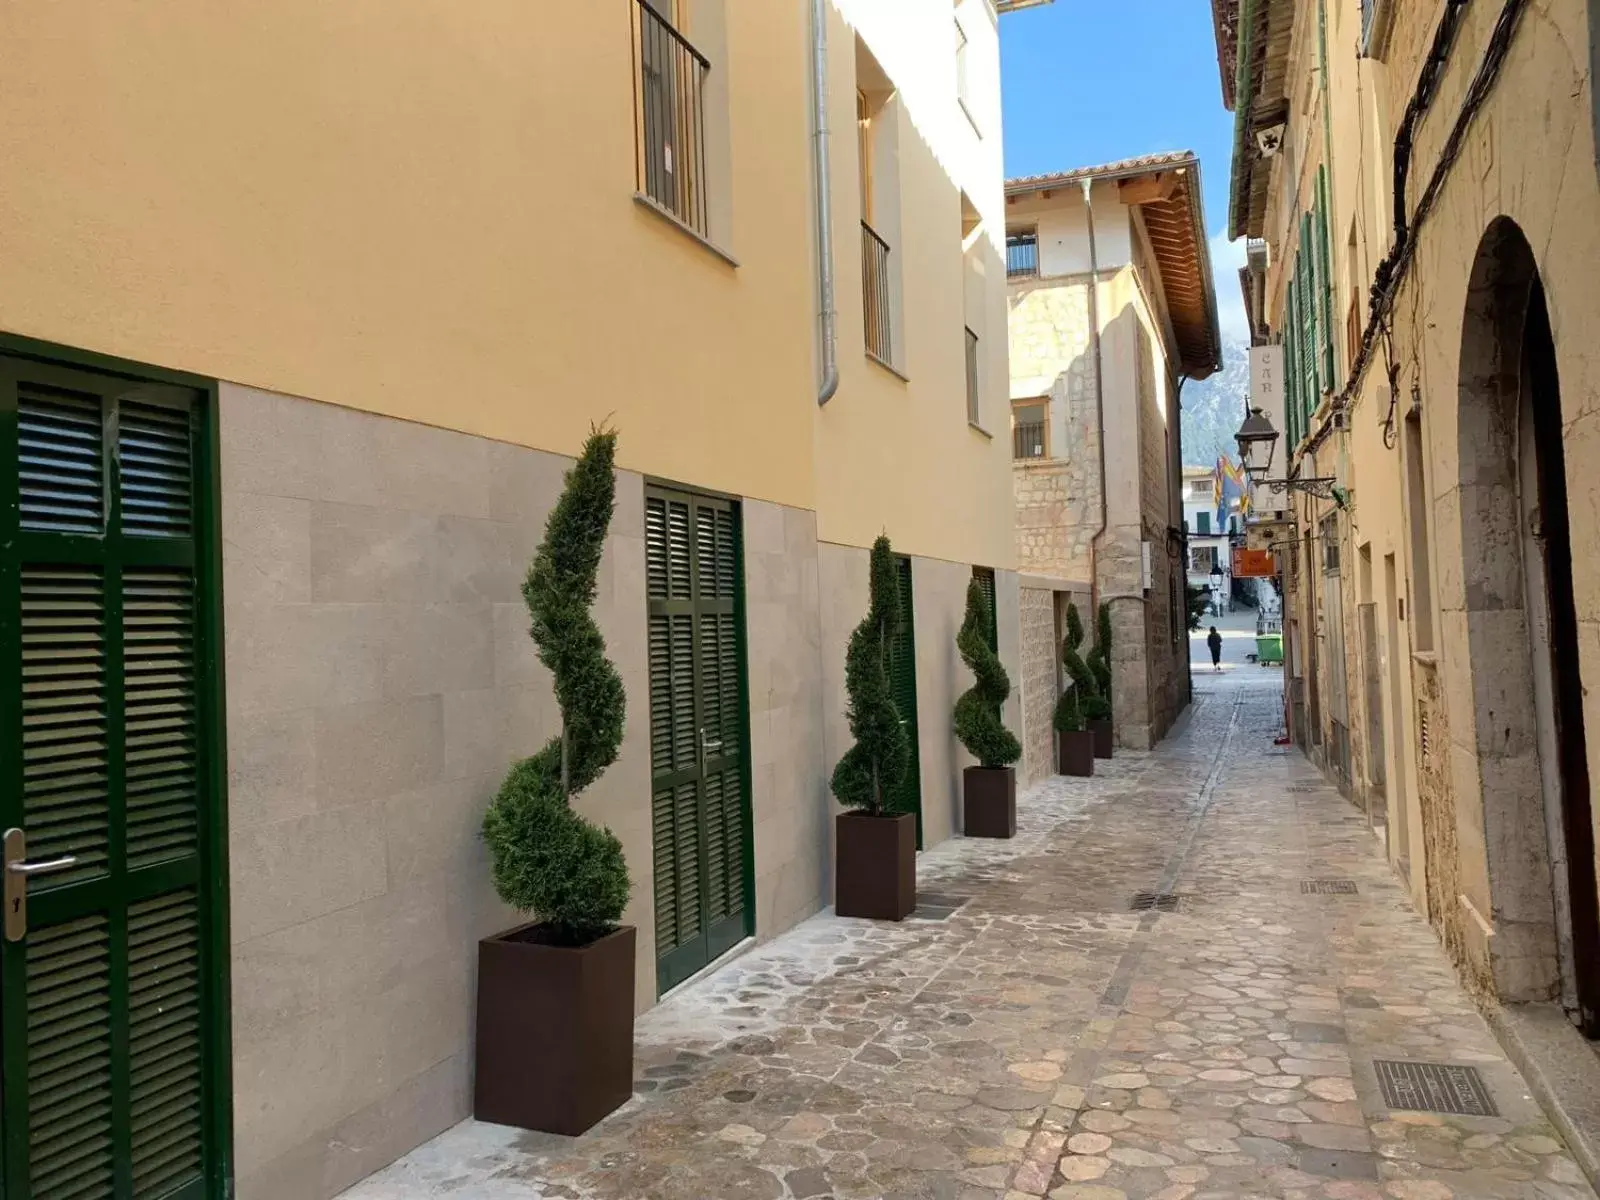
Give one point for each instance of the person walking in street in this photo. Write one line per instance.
(1214, 640)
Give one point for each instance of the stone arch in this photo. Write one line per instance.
(1508, 389)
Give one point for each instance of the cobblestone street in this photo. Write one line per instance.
(1047, 1039)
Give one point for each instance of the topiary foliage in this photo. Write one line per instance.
(1099, 709)
(977, 713)
(545, 858)
(1070, 708)
(869, 773)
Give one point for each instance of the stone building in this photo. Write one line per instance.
(1419, 179)
(1112, 306)
(302, 318)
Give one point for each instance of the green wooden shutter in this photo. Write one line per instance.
(1324, 267)
(1310, 337)
(700, 810)
(985, 578)
(903, 684)
(111, 1026)
(1290, 338)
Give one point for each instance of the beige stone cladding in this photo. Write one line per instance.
(1038, 684)
(939, 592)
(380, 679)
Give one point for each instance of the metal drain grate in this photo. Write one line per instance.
(931, 906)
(1155, 902)
(1328, 887)
(1434, 1087)
(1303, 789)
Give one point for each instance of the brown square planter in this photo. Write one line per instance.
(1077, 753)
(555, 1030)
(1104, 742)
(989, 802)
(876, 862)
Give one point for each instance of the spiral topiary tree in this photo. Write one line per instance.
(977, 712)
(1099, 707)
(545, 858)
(1069, 716)
(868, 775)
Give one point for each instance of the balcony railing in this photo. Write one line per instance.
(972, 378)
(1027, 439)
(875, 293)
(670, 117)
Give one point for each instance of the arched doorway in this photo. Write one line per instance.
(1523, 637)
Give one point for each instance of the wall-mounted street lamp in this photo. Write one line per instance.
(1257, 440)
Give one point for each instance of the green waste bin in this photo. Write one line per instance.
(1269, 649)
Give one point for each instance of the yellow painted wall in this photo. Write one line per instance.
(418, 209)
(895, 454)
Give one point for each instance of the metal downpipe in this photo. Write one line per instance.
(823, 179)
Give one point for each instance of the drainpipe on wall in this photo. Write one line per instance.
(819, 132)
(1099, 395)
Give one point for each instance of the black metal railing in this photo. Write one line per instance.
(670, 121)
(972, 378)
(1027, 439)
(875, 293)
(1022, 255)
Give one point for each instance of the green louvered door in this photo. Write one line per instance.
(903, 683)
(697, 731)
(108, 995)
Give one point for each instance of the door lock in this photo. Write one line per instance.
(18, 870)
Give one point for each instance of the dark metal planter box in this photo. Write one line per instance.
(1104, 739)
(1077, 753)
(877, 866)
(555, 1030)
(989, 802)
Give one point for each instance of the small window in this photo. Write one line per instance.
(1022, 254)
(973, 410)
(1329, 531)
(1030, 429)
(671, 114)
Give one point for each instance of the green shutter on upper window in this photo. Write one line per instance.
(1291, 367)
(1310, 335)
(1324, 268)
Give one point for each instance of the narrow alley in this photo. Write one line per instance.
(1176, 982)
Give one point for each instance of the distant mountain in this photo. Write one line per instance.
(1213, 409)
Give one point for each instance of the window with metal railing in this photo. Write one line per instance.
(670, 114)
(973, 410)
(1022, 254)
(1029, 430)
(875, 294)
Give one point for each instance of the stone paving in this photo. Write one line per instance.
(1045, 1040)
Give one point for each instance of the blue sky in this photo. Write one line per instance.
(1088, 83)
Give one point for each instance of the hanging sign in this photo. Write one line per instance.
(1254, 564)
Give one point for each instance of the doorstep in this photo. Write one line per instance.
(1562, 1069)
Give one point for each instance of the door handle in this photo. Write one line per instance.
(708, 745)
(45, 867)
(17, 873)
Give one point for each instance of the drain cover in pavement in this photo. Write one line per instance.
(933, 907)
(1155, 902)
(1434, 1087)
(1327, 887)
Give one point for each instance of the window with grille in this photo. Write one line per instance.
(1022, 254)
(1029, 429)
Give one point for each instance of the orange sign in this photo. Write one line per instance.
(1254, 564)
